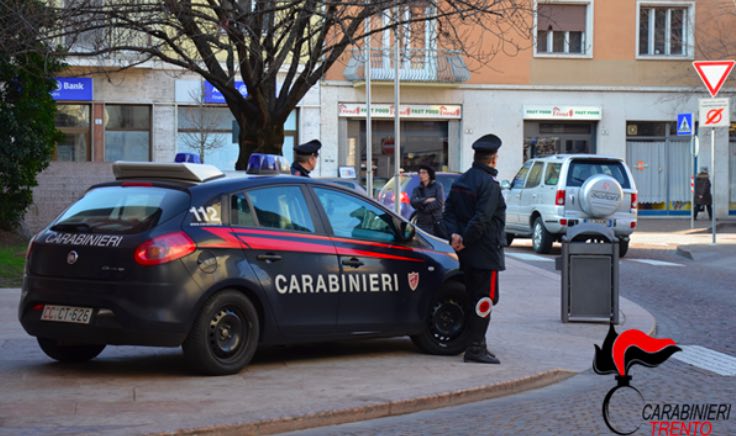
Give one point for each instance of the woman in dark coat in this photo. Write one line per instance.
(702, 193)
(428, 199)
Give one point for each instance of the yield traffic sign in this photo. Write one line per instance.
(714, 112)
(713, 74)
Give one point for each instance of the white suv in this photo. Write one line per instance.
(553, 193)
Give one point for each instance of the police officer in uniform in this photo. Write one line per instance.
(305, 158)
(475, 216)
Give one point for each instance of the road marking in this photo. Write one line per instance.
(705, 358)
(530, 257)
(655, 262)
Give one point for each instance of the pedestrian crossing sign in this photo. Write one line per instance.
(685, 125)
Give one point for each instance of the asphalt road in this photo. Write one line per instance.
(694, 303)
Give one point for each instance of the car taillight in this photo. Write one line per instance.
(560, 197)
(404, 198)
(634, 198)
(164, 248)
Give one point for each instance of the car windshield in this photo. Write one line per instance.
(581, 170)
(125, 210)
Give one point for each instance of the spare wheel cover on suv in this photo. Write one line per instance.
(600, 195)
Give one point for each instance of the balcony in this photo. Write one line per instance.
(417, 65)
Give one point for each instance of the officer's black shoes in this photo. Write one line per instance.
(480, 355)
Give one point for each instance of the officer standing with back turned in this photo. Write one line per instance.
(475, 216)
(305, 158)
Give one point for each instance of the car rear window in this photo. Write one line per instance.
(581, 170)
(122, 210)
(446, 181)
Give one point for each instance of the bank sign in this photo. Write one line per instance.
(425, 111)
(213, 95)
(73, 89)
(555, 112)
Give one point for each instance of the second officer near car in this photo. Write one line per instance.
(475, 216)
(305, 158)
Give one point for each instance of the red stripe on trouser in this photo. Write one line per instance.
(493, 285)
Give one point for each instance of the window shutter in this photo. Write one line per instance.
(565, 18)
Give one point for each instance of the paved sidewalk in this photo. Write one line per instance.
(693, 243)
(138, 390)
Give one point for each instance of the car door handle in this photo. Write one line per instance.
(269, 257)
(354, 262)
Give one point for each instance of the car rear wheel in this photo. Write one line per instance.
(541, 238)
(69, 353)
(623, 247)
(225, 335)
(446, 327)
(509, 239)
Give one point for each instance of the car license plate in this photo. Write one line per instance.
(604, 222)
(78, 315)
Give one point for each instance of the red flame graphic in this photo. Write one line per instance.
(640, 340)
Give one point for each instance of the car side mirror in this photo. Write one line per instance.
(505, 184)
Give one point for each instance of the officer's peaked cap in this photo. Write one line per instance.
(308, 148)
(487, 144)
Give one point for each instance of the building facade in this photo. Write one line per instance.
(596, 76)
(600, 77)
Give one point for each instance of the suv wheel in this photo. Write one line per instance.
(446, 327)
(623, 247)
(69, 353)
(225, 335)
(541, 238)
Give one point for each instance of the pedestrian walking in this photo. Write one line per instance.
(305, 158)
(428, 199)
(475, 216)
(703, 197)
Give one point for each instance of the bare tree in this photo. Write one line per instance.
(200, 133)
(253, 41)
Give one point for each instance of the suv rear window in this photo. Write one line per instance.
(580, 170)
(122, 210)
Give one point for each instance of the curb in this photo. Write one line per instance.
(385, 409)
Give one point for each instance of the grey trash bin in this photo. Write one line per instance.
(589, 266)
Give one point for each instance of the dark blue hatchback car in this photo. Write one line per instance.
(407, 182)
(180, 255)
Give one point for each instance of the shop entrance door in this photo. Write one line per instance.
(661, 169)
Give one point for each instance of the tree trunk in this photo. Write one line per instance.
(257, 138)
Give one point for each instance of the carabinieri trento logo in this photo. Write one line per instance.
(618, 354)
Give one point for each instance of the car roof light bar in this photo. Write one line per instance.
(157, 170)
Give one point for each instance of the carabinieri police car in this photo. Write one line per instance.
(181, 255)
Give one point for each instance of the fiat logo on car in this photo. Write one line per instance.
(72, 257)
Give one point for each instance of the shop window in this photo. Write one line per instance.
(127, 132)
(562, 28)
(665, 30)
(72, 120)
(212, 132)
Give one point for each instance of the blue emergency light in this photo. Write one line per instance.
(260, 163)
(187, 157)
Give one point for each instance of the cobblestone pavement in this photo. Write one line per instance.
(693, 303)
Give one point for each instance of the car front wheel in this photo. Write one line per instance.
(225, 335)
(446, 326)
(69, 353)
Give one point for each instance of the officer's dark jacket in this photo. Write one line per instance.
(298, 170)
(476, 210)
